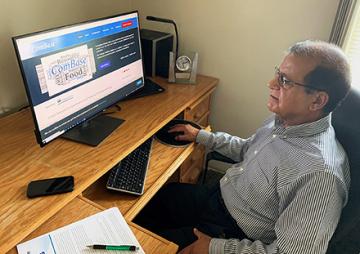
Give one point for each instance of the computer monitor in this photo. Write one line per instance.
(73, 73)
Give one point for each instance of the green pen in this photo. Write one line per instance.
(113, 247)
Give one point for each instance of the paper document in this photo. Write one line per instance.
(108, 227)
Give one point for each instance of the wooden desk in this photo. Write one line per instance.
(22, 160)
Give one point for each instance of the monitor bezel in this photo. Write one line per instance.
(14, 40)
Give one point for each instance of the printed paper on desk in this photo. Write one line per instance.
(107, 227)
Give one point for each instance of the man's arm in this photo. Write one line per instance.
(305, 225)
(230, 146)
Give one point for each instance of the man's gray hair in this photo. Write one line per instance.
(332, 73)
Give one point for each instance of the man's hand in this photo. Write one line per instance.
(189, 131)
(200, 246)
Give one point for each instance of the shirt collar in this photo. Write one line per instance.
(302, 130)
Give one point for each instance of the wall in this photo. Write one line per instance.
(20, 17)
(240, 42)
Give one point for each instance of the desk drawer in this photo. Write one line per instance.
(191, 175)
(199, 113)
(198, 110)
(192, 166)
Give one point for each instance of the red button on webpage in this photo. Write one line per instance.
(126, 24)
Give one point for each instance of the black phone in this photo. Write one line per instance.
(50, 186)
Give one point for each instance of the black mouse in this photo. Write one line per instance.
(175, 133)
(165, 137)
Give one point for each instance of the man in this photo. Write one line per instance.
(287, 191)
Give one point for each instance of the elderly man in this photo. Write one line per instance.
(287, 191)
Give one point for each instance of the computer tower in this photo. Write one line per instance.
(155, 49)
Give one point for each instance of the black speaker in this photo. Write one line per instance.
(155, 47)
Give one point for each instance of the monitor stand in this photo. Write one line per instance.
(93, 131)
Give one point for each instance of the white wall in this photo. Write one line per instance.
(24, 16)
(240, 42)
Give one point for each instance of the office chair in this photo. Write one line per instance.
(346, 122)
(214, 156)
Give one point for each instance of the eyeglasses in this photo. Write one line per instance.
(286, 83)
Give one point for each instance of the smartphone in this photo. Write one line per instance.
(50, 186)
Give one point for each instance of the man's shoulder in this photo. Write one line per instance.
(312, 155)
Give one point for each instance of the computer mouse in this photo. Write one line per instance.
(169, 138)
(175, 134)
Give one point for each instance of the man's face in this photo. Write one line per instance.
(291, 104)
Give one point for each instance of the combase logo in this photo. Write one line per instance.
(63, 70)
(68, 68)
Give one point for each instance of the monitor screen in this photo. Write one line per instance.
(72, 73)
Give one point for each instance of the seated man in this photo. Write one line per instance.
(287, 192)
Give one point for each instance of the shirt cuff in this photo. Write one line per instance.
(203, 137)
(217, 246)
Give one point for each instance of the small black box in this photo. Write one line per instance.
(155, 47)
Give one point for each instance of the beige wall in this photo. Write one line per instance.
(25, 16)
(240, 42)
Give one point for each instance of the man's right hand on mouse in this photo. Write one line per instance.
(189, 131)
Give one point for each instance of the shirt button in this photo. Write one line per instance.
(284, 136)
(225, 179)
(274, 136)
(255, 152)
(241, 169)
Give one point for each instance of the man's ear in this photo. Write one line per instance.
(321, 98)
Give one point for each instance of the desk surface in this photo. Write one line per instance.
(22, 160)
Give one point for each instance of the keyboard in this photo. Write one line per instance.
(129, 174)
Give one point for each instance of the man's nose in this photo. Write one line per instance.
(273, 84)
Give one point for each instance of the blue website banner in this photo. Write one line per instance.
(49, 45)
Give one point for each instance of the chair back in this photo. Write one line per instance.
(346, 122)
